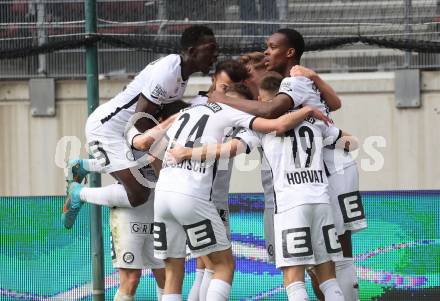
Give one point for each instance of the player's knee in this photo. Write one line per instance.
(133, 279)
(224, 262)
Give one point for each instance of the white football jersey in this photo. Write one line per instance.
(220, 186)
(303, 91)
(296, 163)
(248, 137)
(196, 126)
(160, 82)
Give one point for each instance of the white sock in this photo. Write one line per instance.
(347, 279)
(93, 165)
(159, 293)
(113, 195)
(296, 291)
(122, 297)
(331, 290)
(218, 290)
(195, 289)
(172, 297)
(207, 276)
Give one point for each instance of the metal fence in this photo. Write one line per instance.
(26, 23)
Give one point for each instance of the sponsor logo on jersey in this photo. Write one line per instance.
(159, 92)
(141, 228)
(285, 87)
(305, 177)
(128, 257)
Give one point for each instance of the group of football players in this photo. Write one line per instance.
(172, 163)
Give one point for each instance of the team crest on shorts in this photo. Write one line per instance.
(128, 257)
(270, 250)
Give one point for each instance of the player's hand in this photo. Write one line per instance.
(317, 114)
(216, 96)
(176, 154)
(299, 70)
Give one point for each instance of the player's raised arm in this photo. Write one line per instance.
(144, 141)
(279, 105)
(331, 98)
(288, 121)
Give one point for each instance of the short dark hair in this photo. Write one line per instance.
(236, 70)
(271, 82)
(295, 40)
(193, 35)
(241, 89)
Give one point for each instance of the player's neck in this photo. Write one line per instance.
(186, 67)
(289, 66)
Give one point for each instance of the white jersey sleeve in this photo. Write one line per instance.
(250, 138)
(301, 90)
(238, 118)
(330, 134)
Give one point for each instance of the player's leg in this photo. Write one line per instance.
(327, 250)
(293, 248)
(220, 284)
(346, 270)
(130, 191)
(207, 277)
(325, 272)
(293, 279)
(174, 273)
(128, 283)
(315, 283)
(159, 276)
(206, 235)
(349, 216)
(195, 289)
(169, 243)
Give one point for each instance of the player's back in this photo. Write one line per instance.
(297, 164)
(160, 82)
(196, 126)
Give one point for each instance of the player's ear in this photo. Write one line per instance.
(290, 53)
(191, 51)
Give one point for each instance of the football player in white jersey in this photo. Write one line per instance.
(347, 207)
(268, 88)
(282, 54)
(183, 211)
(161, 82)
(226, 73)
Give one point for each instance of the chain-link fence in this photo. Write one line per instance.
(45, 37)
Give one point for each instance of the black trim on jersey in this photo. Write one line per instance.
(235, 131)
(214, 173)
(248, 149)
(339, 137)
(203, 93)
(252, 122)
(118, 109)
(327, 172)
